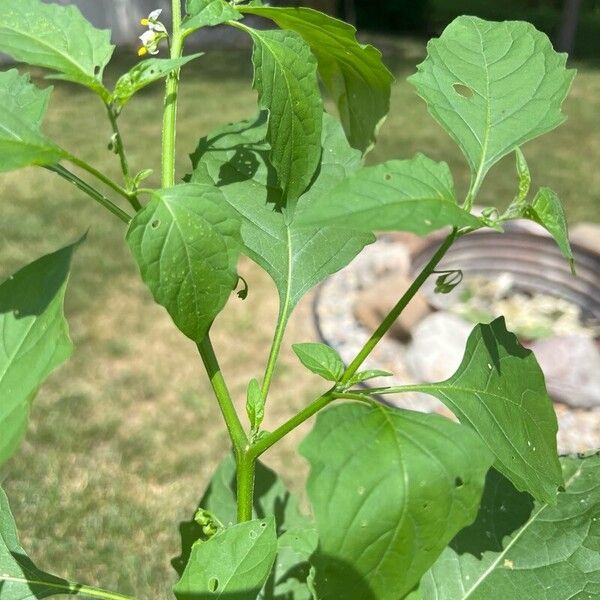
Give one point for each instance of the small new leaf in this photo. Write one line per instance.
(448, 281)
(321, 360)
(186, 243)
(255, 405)
(234, 563)
(523, 174)
(353, 73)
(55, 37)
(492, 87)
(366, 375)
(285, 77)
(34, 339)
(23, 109)
(208, 13)
(414, 195)
(144, 73)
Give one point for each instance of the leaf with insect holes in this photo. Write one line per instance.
(234, 563)
(321, 360)
(208, 13)
(414, 195)
(34, 339)
(548, 552)
(285, 77)
(353, 73)
(146, 72)
(492, 87)
(546, 209)
(23, 109)
(389, 489)
(499, 391)
(55, 37)
(236, 159)
(186, 243)
(255, 405)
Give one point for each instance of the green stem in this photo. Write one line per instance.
(274, 353)
(246, 469)
(397, 310)
(69, 588)
(232, 420)
(269, 439)
(169, 133)
(100, 176)
(90, 191)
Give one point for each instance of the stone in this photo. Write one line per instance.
(437, 347)
(571, 364)
(586, 235)
(373, 305)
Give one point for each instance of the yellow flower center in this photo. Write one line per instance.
(144, 22)
(142, 51)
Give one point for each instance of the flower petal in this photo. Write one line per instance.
(155, 14)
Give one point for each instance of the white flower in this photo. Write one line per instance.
(152, 22)
(155, 33)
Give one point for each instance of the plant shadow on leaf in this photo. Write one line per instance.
(331, 567)
(39, 588)
(503, 511)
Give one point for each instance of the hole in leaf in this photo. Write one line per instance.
(458, 482)
(263, 525)
(387, 176)
(425, 505)
(96, 69)
(155, 223)
(253, 535)
(463, 90)
(213, 584)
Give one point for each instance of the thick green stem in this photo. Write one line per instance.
(246, 469)
(397, 310)
(90, 191)
(69, 588)
(232, 420)
(169, 133)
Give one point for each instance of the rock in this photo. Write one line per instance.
(373, 305)
(586, 235)
(571, 364)
(437, 347)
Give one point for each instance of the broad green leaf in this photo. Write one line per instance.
(547, 210)
(186, 244)
(499, 391)
(492, 87)
(255, 405)
(369, 374)
(34, 339)
(144, 73)
(56, 37)
(208, 13)
(400, 195)
(23, 109)
(297, 258)
(233, 564)
(520, 549)
(389, 489)
(353, 73)
(285, 77)
(321, 359)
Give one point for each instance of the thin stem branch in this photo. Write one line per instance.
(274, 352)
(90, 191)
(238, 436)
(398, 308)
(269, 439)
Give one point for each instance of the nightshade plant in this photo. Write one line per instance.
(403, 504)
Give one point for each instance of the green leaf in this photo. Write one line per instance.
(366, 375)
(546, 209)
(255, 405)
(499, 391)
(520, 549)
(400, 195)
(34, 339)
(146, 72)
(492, 87)
(321, 360)
(389, 489)
(186, 244)
(354, 74)
(23, 109)
(285, 77)
(297, 258)
(208, 13)
(523, 174)
(234, 563)
(56, 37)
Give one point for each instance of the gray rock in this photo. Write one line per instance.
(437, 347)
(571, 365)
